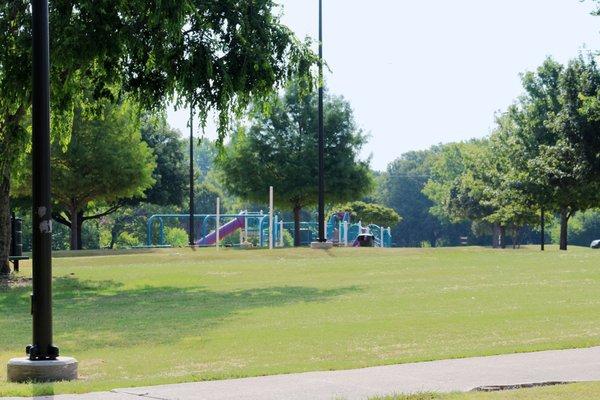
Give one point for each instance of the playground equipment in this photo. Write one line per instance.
(268, 229)
(252, 225)
(364, 240)
(341, 231)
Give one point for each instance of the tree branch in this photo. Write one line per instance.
(58, 217)
(111, 210)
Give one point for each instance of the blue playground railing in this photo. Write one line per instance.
(338, 229)
(257, 223)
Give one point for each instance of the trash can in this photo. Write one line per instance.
(16, 234)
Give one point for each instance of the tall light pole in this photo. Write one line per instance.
(42, 347)
(42, 362)
(321, 242)
(321, 217)
(191, 230)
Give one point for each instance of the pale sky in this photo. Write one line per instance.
(419, 72)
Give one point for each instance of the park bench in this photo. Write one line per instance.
(15, 261)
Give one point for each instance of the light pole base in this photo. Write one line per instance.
(321, 245)
(24, 370)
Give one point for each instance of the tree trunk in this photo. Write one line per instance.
(74, 225)
(495, 236)
(297, 238)
(4, 221)
(543, 227)
(80, 222)
(114, 233)
(564, 222)
(502, 237)
(514, 237)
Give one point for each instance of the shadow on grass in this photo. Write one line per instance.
(100, 313)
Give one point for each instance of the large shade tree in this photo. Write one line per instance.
(104, 161)
(171, 173)
(213, 54)
(279, 149)
(555, 131)
(402, 189)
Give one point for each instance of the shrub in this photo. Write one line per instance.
(176, 237)
(126, 240)
(288, 239)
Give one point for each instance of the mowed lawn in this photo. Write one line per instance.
(177, 315)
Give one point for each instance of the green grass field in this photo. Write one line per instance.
(179, 315)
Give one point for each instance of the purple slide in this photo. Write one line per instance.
(224, 231)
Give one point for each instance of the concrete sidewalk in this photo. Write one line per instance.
(436, 376)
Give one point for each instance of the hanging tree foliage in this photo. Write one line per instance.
(214, 54)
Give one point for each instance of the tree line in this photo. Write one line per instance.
(121, 165)
(542, 160)
(115, 159)
(193, 52)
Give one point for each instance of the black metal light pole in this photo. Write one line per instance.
(192, 212)
(41, 307)
(321, 140)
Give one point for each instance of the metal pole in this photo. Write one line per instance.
(281, 244)
(246, 227)
(41, 298)
(346, 233)
(192, 235)
(270, 217)
(217, 226)
(321, 218)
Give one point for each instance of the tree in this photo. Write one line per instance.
(216, 54)
(171, 172)
(205, 199)
(170, 176)
(468, 183)
(556, 137)
(105, 161)
(402, 186)
(578, 148)
(280, 149)
(369, 213)
(499, 188)
(583, 228)
(452, 186)
(402, 189)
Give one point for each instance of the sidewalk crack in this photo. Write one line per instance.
(142, 395)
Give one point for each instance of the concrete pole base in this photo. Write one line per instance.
(321, 245)
(24, 370)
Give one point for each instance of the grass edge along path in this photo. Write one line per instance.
(573, 391)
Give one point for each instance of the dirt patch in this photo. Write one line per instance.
(13, 281)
